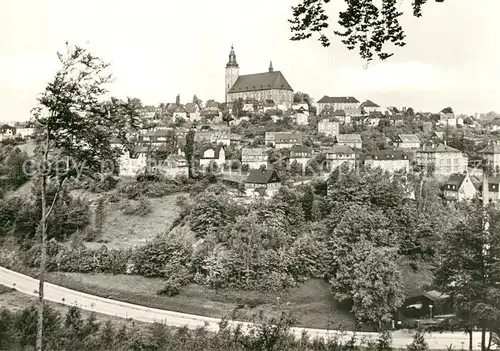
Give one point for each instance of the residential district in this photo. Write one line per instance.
(263, 138)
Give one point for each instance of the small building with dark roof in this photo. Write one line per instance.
(427, 304)
(210, 154)
(262, 183)
(459, 187)
(407, 141)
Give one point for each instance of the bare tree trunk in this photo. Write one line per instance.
(43, 229)
(483, 338)
(470, 339)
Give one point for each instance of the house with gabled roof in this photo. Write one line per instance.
(491, 154)
(493, 192)
(442, 159)
(338, 155)
(389, 160)
(337, 103)
(7, 132)
(369, 106)
(300, 154)
(210, 154)
(264, 183)
(407, 141)
(459, 187)
(132, 161)
(352, 140)
(192, 111)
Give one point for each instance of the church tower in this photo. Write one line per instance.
(232, 71)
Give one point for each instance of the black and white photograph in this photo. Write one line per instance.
(229, 175)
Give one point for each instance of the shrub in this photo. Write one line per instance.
(159, 258)
(141, 207)
(172, 288)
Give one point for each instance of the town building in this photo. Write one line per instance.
(369, 106)
(388, 160)
(7, 132)
(215, 155)
(459, 187)
(442, 160)
(339, 155)
(352, 140)
(491, 154)
(132, 162)
(337, 103)
(283, 138)
(254, 157)
(329, 127)
(286, 141)
(25, 132)
(260, 86)
(173, 166)
(300, 154)
(407, 141)
(493, 193)
(262, 183)
(155, 138)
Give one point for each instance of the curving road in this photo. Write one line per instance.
(55, 293)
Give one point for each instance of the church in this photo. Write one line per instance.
(270, 85)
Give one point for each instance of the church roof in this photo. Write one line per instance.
(260, 81)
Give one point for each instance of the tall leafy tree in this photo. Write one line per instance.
(74, 131)
(469, 270)
(189, 150)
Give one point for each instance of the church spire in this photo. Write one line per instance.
(271, 66)
(232, 59)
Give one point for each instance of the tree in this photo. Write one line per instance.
(418, 343)
(73, 138)
(307, 203)
(469, 270)
(189, 150)
(447, 110)
(167, 148)
(303, 97)
(227, 117)
(367, 25)
(369, 277)
(237, 107)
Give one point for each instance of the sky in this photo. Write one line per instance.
(158, 49)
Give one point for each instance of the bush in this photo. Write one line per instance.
(141, 207)
(171, 288)
(103, 185)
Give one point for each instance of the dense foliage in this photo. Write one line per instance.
(73, 331)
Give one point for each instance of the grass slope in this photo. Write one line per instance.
(124, 231)
(311, 302)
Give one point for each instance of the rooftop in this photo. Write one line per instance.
(259, 177)
(337, 100)
(260, 81)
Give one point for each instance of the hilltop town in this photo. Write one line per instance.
(342, 212)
